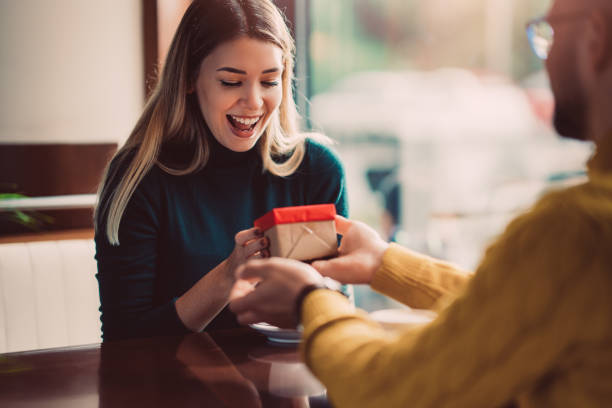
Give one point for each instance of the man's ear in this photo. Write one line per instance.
(599, 34)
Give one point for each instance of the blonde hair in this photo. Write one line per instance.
(172, 113)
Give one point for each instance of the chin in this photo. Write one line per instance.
(569, 126)
(569, 119)
(241, 145)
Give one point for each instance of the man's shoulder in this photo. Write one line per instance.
(590, 199)
(566, 217)
(559, 237)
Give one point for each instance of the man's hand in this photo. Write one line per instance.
(273, 300)
(360, 253)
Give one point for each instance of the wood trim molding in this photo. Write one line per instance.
(38, 170)
(53, 169)
(49, 236)
(288, 8)
(159, 21)
(150, 44)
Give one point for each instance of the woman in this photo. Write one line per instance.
(216, 147)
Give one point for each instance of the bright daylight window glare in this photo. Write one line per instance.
(443, 117)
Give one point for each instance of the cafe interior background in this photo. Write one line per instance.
(441, 114)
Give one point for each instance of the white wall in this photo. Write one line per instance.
(70, 70)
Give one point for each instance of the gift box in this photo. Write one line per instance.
(304, 233)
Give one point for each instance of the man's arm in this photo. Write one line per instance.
(417, 280)
(509, 328)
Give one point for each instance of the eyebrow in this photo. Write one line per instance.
(241, 72)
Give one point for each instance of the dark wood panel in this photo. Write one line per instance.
(150, 44)
(53, 169)
(48, 170)
(288, 8)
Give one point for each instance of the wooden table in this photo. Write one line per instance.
(233, 368)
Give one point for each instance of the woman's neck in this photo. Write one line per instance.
(222, 157)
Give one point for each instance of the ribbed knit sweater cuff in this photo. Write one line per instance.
(321, 307)
(414, 279)
(400, 268)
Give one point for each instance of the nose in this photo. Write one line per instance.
(252, 97)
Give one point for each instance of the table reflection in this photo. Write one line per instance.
(222, 369)
(233, 368)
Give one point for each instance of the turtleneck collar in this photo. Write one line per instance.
(179, 155)
(601, 161)
(223, 158)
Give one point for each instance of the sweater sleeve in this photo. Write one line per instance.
(525, 307)
(127, 272)
(417, 280)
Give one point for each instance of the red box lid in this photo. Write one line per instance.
(301, 213)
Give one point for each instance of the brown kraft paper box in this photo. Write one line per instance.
(304, 233)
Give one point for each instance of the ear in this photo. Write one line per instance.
(599, 35)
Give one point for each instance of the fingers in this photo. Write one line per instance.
(264, 253)
(262, 305)
(273, 300)
(342, 224)
(251, 248)
(254, 244)
(339, 269)
(275, 266)
(254, 269)
(247, 235)
(256, 255)
(249, 317)
(243, 304)
(241, 288)
(322, 267)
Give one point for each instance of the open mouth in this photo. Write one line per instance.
(244, 126)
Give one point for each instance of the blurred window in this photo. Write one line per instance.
(443, 115)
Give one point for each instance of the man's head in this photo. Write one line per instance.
(580, 65)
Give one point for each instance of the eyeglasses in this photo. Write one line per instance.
(541, 34)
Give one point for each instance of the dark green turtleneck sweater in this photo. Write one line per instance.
(177, 228)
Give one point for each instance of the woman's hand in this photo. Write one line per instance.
(204, 300)
(279, 282)
(360, 254)
(249, 244)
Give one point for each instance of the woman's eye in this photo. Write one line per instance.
(227, 83)
(270, 84)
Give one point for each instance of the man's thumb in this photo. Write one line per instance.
(337, 268)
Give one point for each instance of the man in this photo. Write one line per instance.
(531, 327)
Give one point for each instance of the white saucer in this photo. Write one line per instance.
(276, 334)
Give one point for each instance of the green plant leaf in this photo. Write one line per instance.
(11, 196)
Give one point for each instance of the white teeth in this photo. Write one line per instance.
(245, 121)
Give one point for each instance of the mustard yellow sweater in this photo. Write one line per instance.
(533, 325)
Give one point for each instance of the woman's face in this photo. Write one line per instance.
(239, 88)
